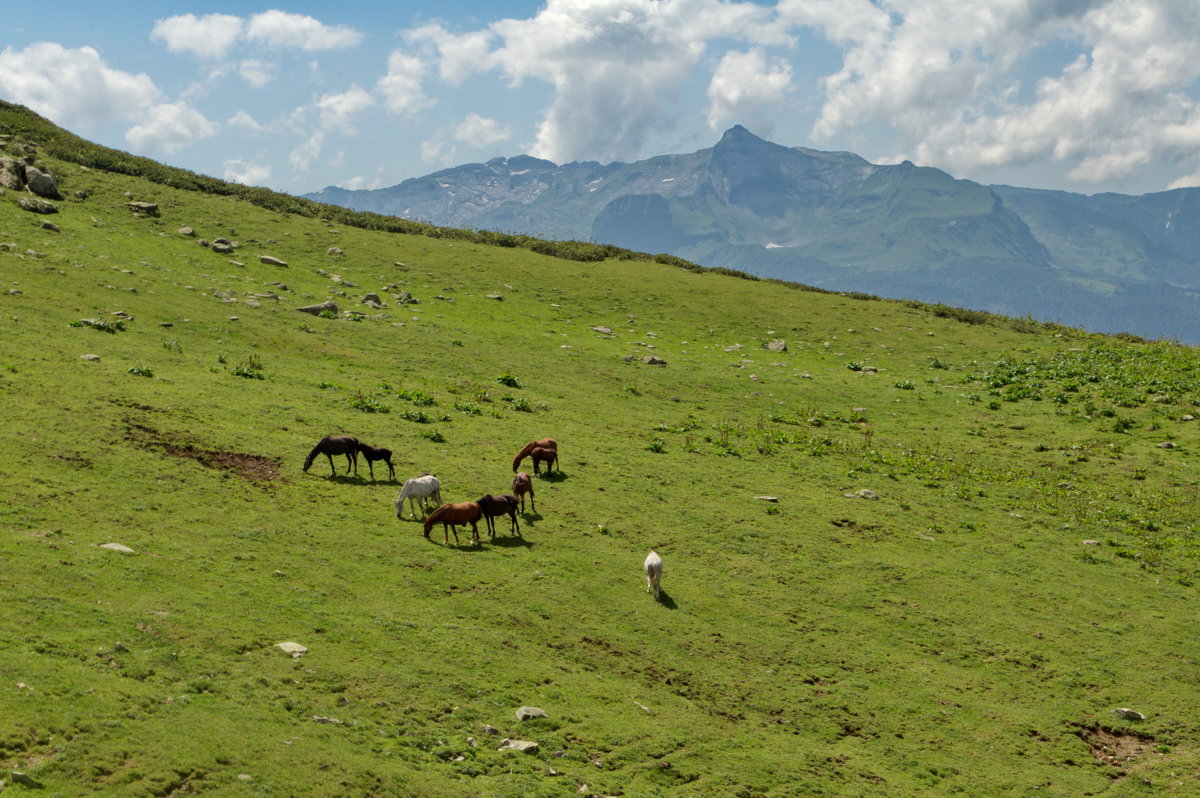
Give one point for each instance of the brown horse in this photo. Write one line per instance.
(544, 443)
(451, 516)
(493, 506)
(522, 484)
(335, 444)
(543, 455)
(371, 454)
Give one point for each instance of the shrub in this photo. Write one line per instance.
(368, 404)
(509, 380)
(141, 371)
(111, 326)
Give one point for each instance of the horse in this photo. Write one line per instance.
(451, 515)
(418, 488)
(654, 569)
(335, 444)
(371, 454)
(545, 455)
(544, 443)
(492, 506)
(521, 485)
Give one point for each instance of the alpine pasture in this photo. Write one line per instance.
(917, 551)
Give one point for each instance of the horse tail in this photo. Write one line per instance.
(308, 461)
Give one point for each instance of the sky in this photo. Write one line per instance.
(1079, 95)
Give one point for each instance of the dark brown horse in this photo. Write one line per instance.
(450, 516)
(493, 506)
(371, 454)
(543, 455)
(544, 443)
(522, 483)
(335, 444)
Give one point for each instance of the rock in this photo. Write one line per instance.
(524, 746)
(490, 729)
(497, 297)
(405, 298)
(117, 547)
(35, 205)
(869, 370)
(862, 494)
(42, 184)
(372, 301)
(326, 719)
(186, 231)
(767, 498)
(1091, 543)
(777, 345)
(1167, 445)
(295, 649)
(82, 194)
(51, 226)
(320, 308)
(334, 251)
(222, 248)
(148, 208)
(89, 358)
(204, 242)
(11, 174)
(603, 330)
(525, 713)
(654, 360)
(1129, 714)
(271, 260)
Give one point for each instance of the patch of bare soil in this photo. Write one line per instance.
(1116, 747)
(255, 467)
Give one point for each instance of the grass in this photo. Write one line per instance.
(954, 635)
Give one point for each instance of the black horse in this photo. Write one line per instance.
(493, 506)
(335, 444)
(371, 454)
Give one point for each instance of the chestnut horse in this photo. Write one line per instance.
(450, 516)
(493, 506)
(544, 443)
(371, 454)
(541, 455)
(335, 444)
(521, 485)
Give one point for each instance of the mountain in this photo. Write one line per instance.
(1107, 262)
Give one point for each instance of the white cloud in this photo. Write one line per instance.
(256, 73)
(401, 86)
(72, 86)
(170, 127)
(302, 157)
(459, 56)
(744, 84)
(282, 29)
(480, 131)
(436, 151)
(243, 120)
(246, 173)
(337, 110)
(209, 36)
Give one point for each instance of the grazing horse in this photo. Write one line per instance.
(654, 568)
(451, 516)
(545, 455)
(544, 443)
(522, 484)
(418, 488)
(493, 506)
(335, 444)
(371, 454)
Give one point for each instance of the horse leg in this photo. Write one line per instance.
(516, 526)
(371, 466)
(391, 470)
(332, 470)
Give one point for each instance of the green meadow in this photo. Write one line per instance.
(920, 552)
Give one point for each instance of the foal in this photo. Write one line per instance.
(371, 454)
(544, 443)
(542, 454)
(522, 484)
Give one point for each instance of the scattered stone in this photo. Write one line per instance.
(35, 205)
(10, 174)
(603, 330)
(490, 729)
(923, 536)
(497, 297)
(148, 208)
(865, 493)
(204, 242)
(42, 184)
(295, 649)
(82, 194)
(271, 260)
(870, 370)
(525, 713)
(89, 358)
(643, 707)
(186, 231)
(325, 719)
(245, 777)
(373, 301)
(117, 547)
(25, 780)
(1128, 714)
(222, 246)
(1091, 543)
(777, 345)
(524, 746)
(334, 251)
(1167, 445)
(471, 742)
(337, 278)
(654, 360)
(405, 298)
(51, 226)
(767, 498)
(320, 307)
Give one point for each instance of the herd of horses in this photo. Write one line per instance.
(425, 490)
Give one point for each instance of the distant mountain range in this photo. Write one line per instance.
(1106, 262)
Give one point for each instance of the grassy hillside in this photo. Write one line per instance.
(956, 634)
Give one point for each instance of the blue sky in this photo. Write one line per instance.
(1082, 95)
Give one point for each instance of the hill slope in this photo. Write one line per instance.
(954, 634)
(833, 220)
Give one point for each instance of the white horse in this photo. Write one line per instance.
(654, 569)
(418, 488)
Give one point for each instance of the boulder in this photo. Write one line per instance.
(497, 297)
(777, 345)
(35, 205)
(271, 260)
(372, 301)
(524, 746)
(1128, 714)
(654, 360)
(11, 174)
(186, 231)
(295, 649)
(525, 713)
(148, 208)
(51, 226)
(117, 547)
(405, 298)
(334, 251)
(320, 308)
(42, 183)
(89, 358)
(603, 330)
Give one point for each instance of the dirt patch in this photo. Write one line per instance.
(255, 467)
(1115, 747)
